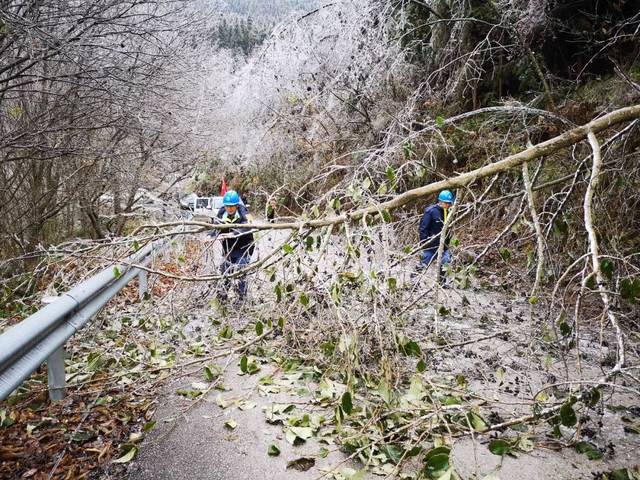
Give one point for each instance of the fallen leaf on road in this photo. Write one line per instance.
(302, 464)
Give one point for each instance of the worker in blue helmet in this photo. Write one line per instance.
(237, 243)
(431, 225)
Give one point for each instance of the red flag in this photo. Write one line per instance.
(223, 188)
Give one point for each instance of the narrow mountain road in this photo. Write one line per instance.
(230, 432)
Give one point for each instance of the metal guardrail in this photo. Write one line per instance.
(41, 337)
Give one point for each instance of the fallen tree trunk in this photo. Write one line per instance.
(548, 147)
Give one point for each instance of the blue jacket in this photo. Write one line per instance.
(242, 245)
(430, 227)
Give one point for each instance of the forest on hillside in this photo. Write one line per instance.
(273, 9)
(342, 120)
(245, 24)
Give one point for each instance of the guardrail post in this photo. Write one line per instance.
(55, 374)
(142, 284)
(40, 338)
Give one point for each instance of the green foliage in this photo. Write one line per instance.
(225, 332)
(259, 328)
(210, 373)
(589, 449)
(607, 268)
(248, 366)
(505, 254)
(6, 420)
(630, 289)
(393, 452)
(476, 422)
(632, 473)
(568, 415)
(304, 299)
(185, 392)
(273, 450)
(409, 347)
(347, 403)
(565, 329)
(593, 397)
(500, 447)
(128, 456)
(436, 462)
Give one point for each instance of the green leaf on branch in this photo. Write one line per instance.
(407, 149)
(189, 393)
(209, 374)
(565, 329)
(607, 268)
(304, 299)
(384, 391)
(476, 422)
(500, 447)
(421, 367)
(286, 248)
(127, 457)
(6, 419)
(347, 403)
(393, 452)
(568, 415)
(149, 426)
(273, 450)
(589, 449)
(436, 462)
(244, 362)
(247, 366)
(226, 332)
(410, 349)
(593, 397)
(391, 174)
(630, 289)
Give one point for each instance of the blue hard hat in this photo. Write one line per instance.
(231, 198)
(445, 196)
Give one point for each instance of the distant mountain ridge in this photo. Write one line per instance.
(272, 9)
(242, 25)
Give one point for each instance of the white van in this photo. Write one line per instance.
(208, 206)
